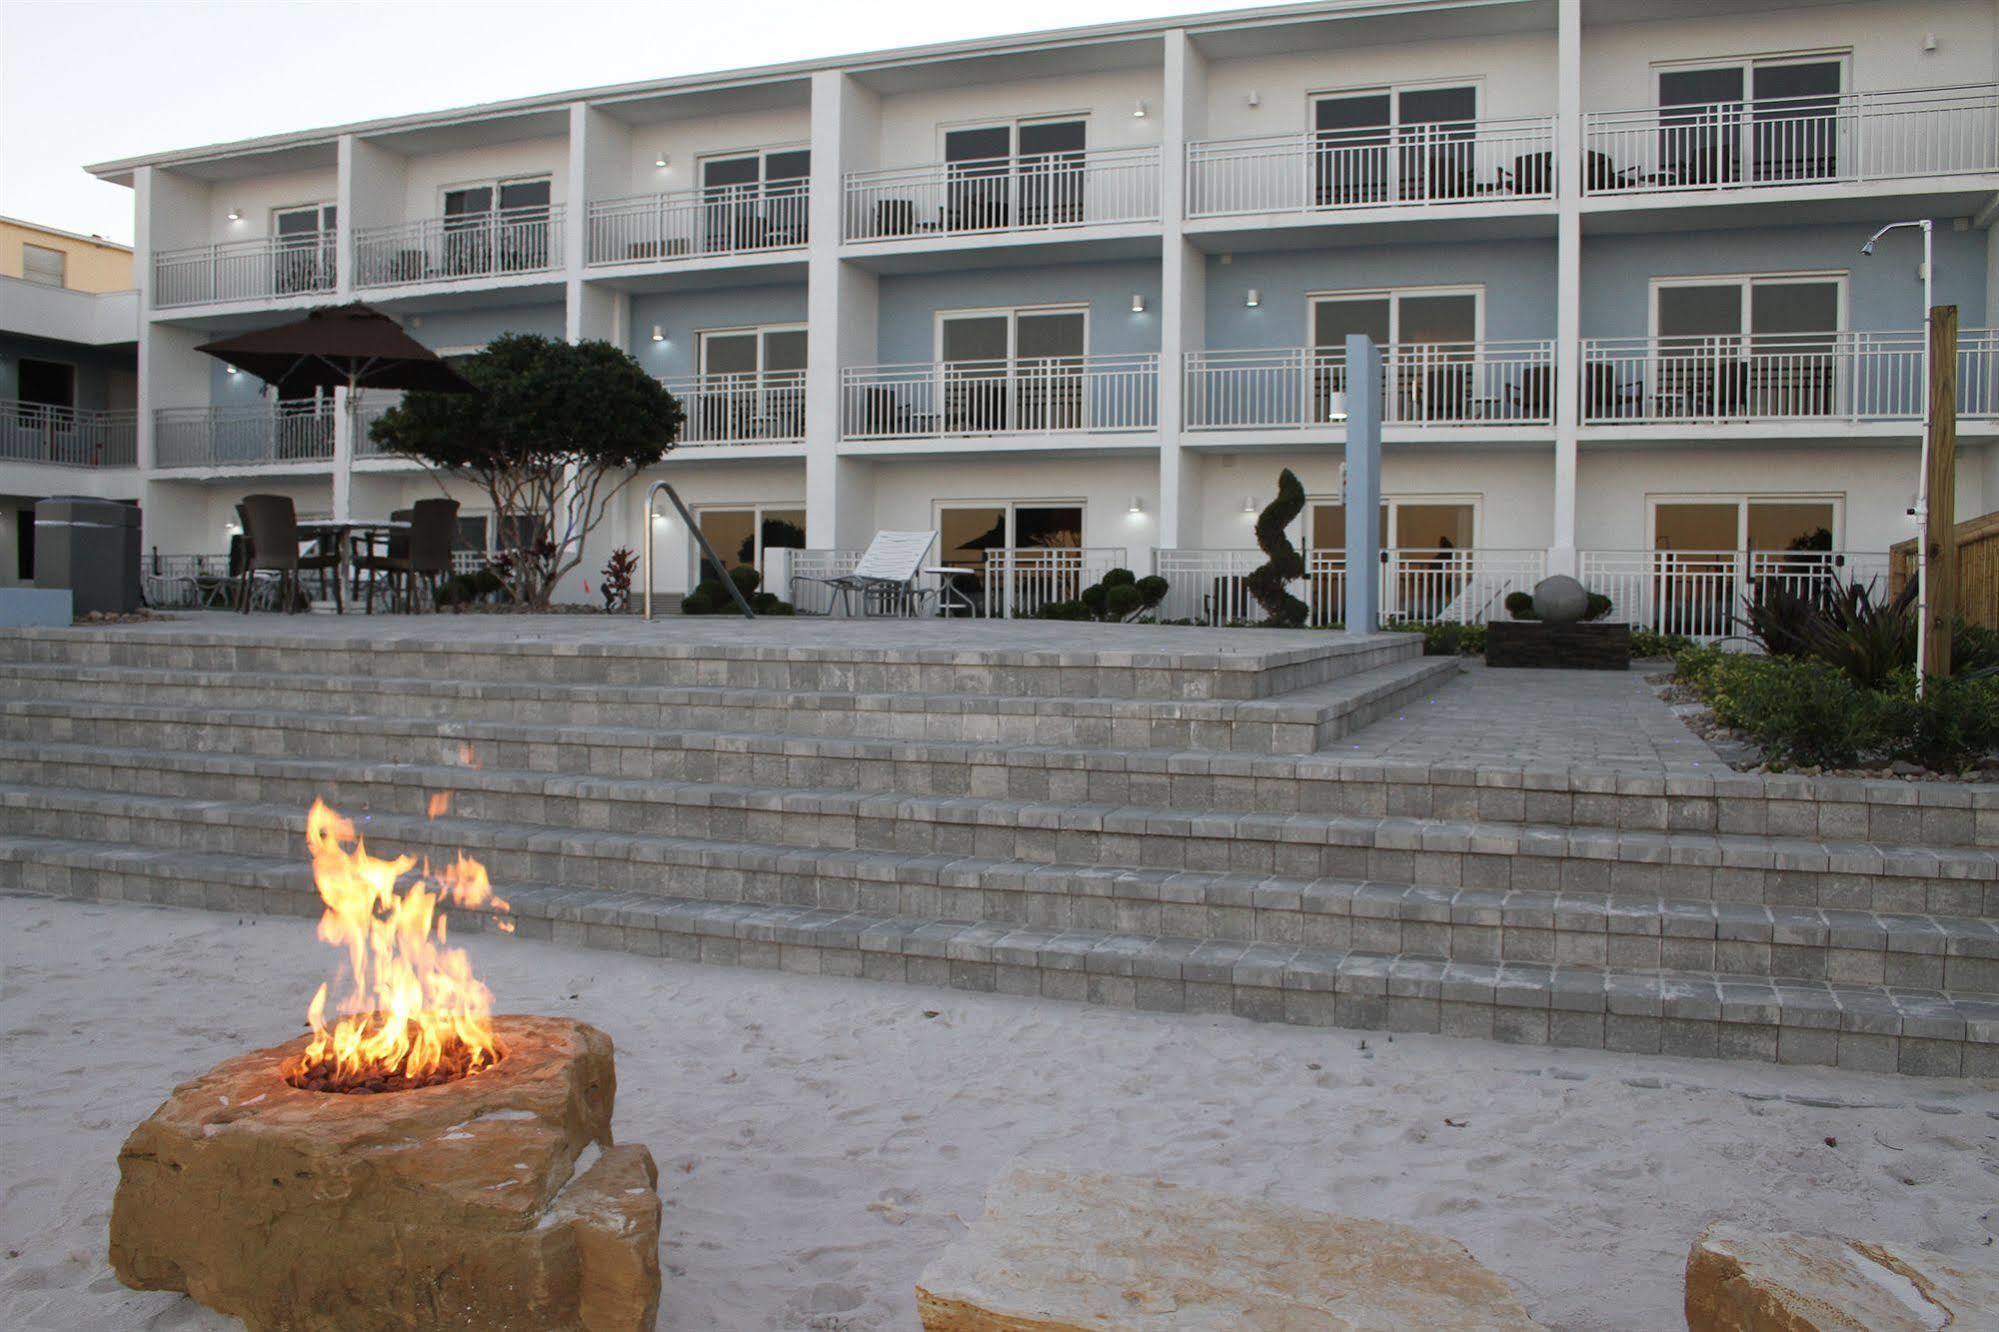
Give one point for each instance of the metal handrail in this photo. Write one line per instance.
(687, 517)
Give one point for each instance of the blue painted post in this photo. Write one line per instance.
(1363, 495)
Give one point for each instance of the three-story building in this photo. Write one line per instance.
(1073, 298)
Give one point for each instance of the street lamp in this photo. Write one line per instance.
(1922, 509)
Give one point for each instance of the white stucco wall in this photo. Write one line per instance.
(912, 124)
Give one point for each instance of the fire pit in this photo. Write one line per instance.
(419, 1163)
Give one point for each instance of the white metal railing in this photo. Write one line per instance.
(66, 437)
(253, 433)
(1776, 141)
(745, 408)
(374, 403)
(468, 245)
(1098, 393)
(814, 598)
(731, 219)
(1458, 383)
(1034, 193)
(1702, 593)
(246, 270)
(1450, 162)
(1417, 586)
(1008, 582)
(1779, 376)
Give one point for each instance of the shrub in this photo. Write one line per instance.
(1448, 640)
(1951, 728)
(471, 588)
(1652, 643)
(709, 597)
(1520, 605)
(1270, 582)
(1121, 597)
(617, 584)
(1798, 711)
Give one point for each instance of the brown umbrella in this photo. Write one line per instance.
(345, 346)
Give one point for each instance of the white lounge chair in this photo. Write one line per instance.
(886, 575)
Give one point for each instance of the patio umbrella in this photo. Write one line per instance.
(346, 346)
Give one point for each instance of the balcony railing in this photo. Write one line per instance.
(1778, 376)
(1467, 161)
(1427, 384)
(1418, 586)
(746, 408)
(743, 219)
(1782, 141)
(65, 437)
(1038, 193)
(250, 434)
(1702, 593)
(1047, 395)
(470, 245)
(245, 270)
(1005, 582)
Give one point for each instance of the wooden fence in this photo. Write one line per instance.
(1977, 569)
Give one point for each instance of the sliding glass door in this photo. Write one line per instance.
(1429, 339)
(1010, 370)
(754, 201)
(1028, 173)
(1762, 121)
(1747, 347)
(1394, 144)
(752, 383)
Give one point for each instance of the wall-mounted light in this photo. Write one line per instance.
(234, 371)
(1137, 504)
(1248, 505)
(661, 161)
(1138, 302)
(1255, 98)
(1336, 406)
(235, 215)
(1253, 299)
(659, 333)
(1138, 111)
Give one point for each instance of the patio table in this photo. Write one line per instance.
(341, 531)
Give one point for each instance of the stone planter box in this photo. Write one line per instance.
(1564, 647)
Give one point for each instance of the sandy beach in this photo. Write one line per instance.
(820, 1140)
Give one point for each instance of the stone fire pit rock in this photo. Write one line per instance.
(494, 1202)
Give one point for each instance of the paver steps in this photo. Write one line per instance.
(1166, 830)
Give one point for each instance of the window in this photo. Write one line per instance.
(1788, 106)
(755, 200)
(1429, 337)
(470, 535)
(46, 267)
(1017, 173)
(1026, 553)
(1773, 524)
(1012, 369)
(1747, 346)
(500, 226)
(1385, 145)
(307, 247)
(752, 384)
(520, 531)
(45, 383)
(742, 534)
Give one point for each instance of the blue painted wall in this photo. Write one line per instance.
(96, 367)
(470, 328)
(909, 303)
(1518, 277)
(684, 314)
(1883, 292)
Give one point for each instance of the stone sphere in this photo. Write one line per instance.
(1560, 600)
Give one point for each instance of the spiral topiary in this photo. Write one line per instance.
(1269, 583)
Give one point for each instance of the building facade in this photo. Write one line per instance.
(1073, 299)
(69, 387)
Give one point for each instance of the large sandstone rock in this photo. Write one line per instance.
(476, 1204)
(1741, 1280)
(1058, 1250)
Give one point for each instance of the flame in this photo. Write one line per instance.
(440, 804)
(414, 1013)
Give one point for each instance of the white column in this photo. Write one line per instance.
(373, 188)
(1568, 281)
(343, 455)
(1182, 289)
(841, 313)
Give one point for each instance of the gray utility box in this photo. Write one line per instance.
(91, 547)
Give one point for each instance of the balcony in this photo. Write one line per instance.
(698, 224)
(1465, 384)
(34, 432)
(1054, 395)
(1793, 141)
(503, 243)
(245, 270)
(747, 408)
(1047, 192)
(1472, 161)
(1853, 377)
(243, 436)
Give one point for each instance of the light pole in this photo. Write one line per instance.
(1922, 511)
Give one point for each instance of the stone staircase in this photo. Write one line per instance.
(1152, 828)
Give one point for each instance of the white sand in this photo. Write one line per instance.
(820, 1140)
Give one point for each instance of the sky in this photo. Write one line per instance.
(95, 80)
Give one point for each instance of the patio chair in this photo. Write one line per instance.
(271, 523)
(886, 575)
(420, 551)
